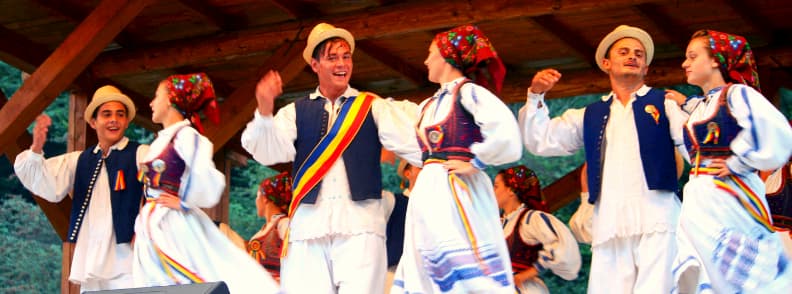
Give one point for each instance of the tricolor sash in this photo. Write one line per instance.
(346, 126)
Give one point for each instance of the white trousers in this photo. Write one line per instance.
(335, 264)
(635, 264)
(120, 282)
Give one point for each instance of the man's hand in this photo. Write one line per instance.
(679, 98)
(544, 80)
(268, 88)
(40, 133)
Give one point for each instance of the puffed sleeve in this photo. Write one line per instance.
(560, 252)
(51, 179)
(763, 143)
(271, 139)
(501, 144)
(202, 184)
(580, 222)
(397, 128)
(542, 136)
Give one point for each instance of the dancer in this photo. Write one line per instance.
(272, 200)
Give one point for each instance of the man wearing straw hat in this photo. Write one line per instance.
(334, 136)
(629, 137)
(105, 191)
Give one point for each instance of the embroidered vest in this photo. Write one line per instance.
(452, 137)
(654, 140)
(266, 249)
(713, 135)
(361, 158)
(125, 197)
(164, 172)
(522, 255)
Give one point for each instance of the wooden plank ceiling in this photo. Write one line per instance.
(235, 41)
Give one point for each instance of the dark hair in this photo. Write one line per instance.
(321, 49)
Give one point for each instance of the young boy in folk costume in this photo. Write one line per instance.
(177, 243)
(335, 137)
(105, 193)
(727, 242)
(453, 239)
(272, 201)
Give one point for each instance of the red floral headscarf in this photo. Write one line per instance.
(467, 49)
(525, 184)
(191, 94)
(277, 189)
(735, 58)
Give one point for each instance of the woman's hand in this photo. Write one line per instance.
(722, 168)
(521, 277)
(169, 201)
(460, 167)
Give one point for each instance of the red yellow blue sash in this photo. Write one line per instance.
(331, 146)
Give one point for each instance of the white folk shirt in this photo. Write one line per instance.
(271, 140)
(97, 256)
(626, 206)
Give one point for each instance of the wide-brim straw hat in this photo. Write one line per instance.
(324, 31)
(107, 94)
(621, 32)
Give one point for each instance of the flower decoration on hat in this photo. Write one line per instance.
(735, 57)
(277, 189)
(467, 49)
(525, 184)
(191, 94)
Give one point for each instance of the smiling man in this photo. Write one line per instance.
(334, 137)
(629, 137)
(105, 191)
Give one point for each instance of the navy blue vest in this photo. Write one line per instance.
(125, 204)
(654, 142)
(394, 232)
(361, 158)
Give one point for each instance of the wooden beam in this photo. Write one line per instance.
(380, 22)
(569, 37)
(297, 9)
(664, 22)
(750, 15)
(214, 15)
(20, 52)
(238, 108)
(562, 192)
(77, 15)
(65, 64)
(418, 76)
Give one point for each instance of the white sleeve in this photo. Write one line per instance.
(545, 137)
(202, 184)
(388, 202)
(397, 130)
(501, 144)
(271, 140)
(560, 252)
(51, 179)
(765, 139)
(580, 222)
(676, 125)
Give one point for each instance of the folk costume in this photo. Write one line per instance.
(453, 239)
(779, 197)
(536, 238)
(105, 200)
(631, 176)
(184, 246)
(265, 246)
(726, 237)
(337, 211)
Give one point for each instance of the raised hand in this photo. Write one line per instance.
(40, 130)
(544, 80)
(268, 88)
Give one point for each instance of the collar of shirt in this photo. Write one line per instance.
(349, 92)
(511, 215)
(447, 87)
(712, 92)
(641, 92)
(120, 145)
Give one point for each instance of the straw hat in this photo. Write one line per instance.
(106, 94)
(324, 31)
(621, 32)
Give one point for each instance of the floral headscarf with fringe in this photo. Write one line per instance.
(735, 57)
(467, 49)
(525, 184)
(277, 189)
(193, 93)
